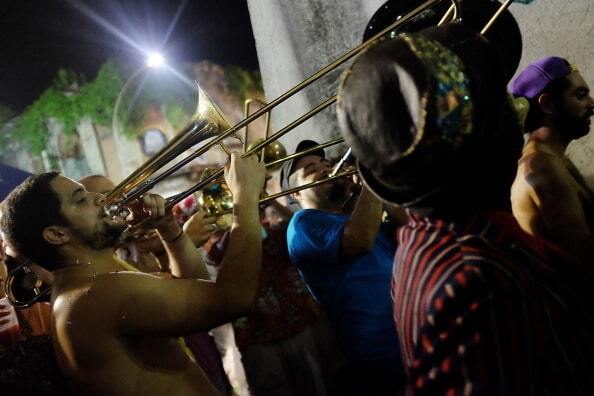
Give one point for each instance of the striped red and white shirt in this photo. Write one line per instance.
(483, 308)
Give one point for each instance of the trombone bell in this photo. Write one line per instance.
(217, 200)
(217, 123)
(272, 152)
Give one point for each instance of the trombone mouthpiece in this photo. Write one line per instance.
(116, 210)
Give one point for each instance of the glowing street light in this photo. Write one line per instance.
(155, 60)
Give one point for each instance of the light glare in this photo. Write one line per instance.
(155, 60)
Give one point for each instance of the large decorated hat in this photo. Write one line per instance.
(415, 108)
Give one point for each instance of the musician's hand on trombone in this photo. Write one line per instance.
(245, 177)
(158, 216)
(200, 227)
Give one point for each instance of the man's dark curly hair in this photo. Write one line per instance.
(27, 211)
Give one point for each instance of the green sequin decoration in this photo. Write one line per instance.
(452, 87)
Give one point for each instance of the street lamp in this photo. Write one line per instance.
(155, 60)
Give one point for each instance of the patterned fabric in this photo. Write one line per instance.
(284, 306)
(452, 90)
(483, 308)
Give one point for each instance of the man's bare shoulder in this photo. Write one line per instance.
(542, 168)
(537, 157)
(96, 297)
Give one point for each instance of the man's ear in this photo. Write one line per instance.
(56, 235)
(545, 101)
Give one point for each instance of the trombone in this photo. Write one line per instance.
(212, 121)
(139, 182)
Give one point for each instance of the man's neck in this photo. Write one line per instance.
(81, 263)
(552, 137)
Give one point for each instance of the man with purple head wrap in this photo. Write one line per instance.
(550, 198)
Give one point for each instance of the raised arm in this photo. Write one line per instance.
(361, 229)
(184, 259)
(149, 305)
(240, 269)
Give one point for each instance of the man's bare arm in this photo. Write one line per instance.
(362, 228)
(149, 305)
(184, 259)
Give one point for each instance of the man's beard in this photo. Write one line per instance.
(104, 237)
(575, 127)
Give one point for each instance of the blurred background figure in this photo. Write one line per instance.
(203, 229)
(28, 362)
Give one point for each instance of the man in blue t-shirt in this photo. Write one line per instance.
(346, 260)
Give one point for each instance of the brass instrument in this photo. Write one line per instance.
(23, 287)
(217, 200)
(208, 122)
(138, 182)
(246, 113)
(211, 122)
(270, 154)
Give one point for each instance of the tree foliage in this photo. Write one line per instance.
(71, 97)
(68, 100)
(242, 82)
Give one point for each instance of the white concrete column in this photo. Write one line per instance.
(51, 155)
(90, 146)
(296, 38)
(129, 154)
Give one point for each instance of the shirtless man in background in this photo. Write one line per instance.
(114, 332)
(549, 196)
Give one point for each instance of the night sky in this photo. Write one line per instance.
(39, 37)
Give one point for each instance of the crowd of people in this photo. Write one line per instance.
(457, 261)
